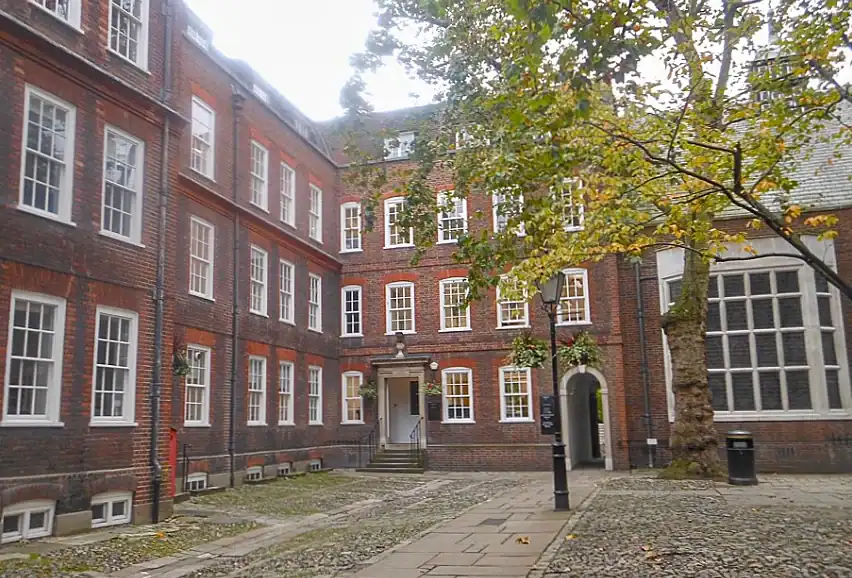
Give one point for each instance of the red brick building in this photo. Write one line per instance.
(189, 298)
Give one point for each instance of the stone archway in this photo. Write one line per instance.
(573, 404)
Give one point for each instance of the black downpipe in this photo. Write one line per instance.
(159, 287)
(237, 101)
(643, 350)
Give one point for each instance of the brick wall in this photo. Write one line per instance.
(824, 446)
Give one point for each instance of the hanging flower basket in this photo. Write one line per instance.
(527, 351)
(432, 389)
(580, 351)
(368, 390)
(180, 363)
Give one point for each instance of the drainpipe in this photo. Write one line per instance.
(159, 287)
(643, 350)
(237, 101)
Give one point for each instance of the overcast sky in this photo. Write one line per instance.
(302, 48)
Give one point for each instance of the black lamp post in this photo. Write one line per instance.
(551, 291)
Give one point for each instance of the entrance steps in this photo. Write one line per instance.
(394, 461)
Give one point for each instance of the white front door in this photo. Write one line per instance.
(403, 408)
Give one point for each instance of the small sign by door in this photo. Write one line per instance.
(433, 410)
(547, 404)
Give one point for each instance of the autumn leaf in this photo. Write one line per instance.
(523, 540)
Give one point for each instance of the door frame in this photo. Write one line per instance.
(385, 373)
(566, 390)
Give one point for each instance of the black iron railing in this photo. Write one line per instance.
(414, 440)
(369, 444)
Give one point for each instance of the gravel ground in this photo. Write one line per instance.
(361, 535)
(304, 495)
(138, 544)
(646, 527)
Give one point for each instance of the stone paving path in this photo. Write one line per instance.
(503, 537)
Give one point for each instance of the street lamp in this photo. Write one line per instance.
(551, 291)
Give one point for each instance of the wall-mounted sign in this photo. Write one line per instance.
(433, 410)
(549, 424)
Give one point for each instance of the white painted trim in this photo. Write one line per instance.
(291, 310)
(502, 379)
(53, 405)
(444, 373)
(587, 299)
(205, 406)
(264, 385)
(107, 500)
(315, 214)
(135, 236)
(26, 509)
(66, 188)
(318, 325)
(360, 292)
(388, 287)
(319, 395)
(388, 245)
(343, 208)
(563, 410)
(211, 160)
(263, 205)
(212, 238)
(443, 201)
(289, 419)
(142, 55)
(128, 419)
(442, 305)
(288, 170)
(344, 398)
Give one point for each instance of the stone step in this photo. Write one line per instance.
(382, 470)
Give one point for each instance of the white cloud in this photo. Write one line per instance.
(302, 48)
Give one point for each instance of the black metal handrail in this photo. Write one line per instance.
(370, 442)
(414, 439)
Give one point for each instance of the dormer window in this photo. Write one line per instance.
(399, 147)
(260, 93)
(197, 37)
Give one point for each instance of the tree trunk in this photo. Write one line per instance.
(693, 437)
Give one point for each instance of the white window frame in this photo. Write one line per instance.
(261, 416)
(193, 349)
(315, 303)
(504, 323)
(457, 370)
(285, 413)
(442, 285)
(288, 194)
(388, 328)
(587, 315)
(388, 245)
(444, 198)
(577, 210)
(25, 510)
(135, 235)
(315, 394)
(262, 283)
(142, 46)
(346, 399)
(129, 407)
(74, 9)
(107, 500)
(285, 469)
(503, 395)
(194, 479)
(53, 402)
(211, 246)
(66, 180)
(286, 313)
(670, 267)
(344, 312)
(254, 473)
(259, 181)
(209, 159)
(498, 199)
(315, 213)
(344, 229)
(405, 141)
(260, 93)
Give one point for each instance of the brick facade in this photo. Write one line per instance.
(70, 460)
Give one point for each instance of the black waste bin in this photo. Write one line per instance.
(740, 446)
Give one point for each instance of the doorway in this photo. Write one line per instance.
(585, 422)
(403, 395)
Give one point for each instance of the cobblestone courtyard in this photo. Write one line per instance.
(360, 526)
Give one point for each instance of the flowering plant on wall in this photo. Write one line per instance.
(368, 389)
(580, 350)
(527, 351)
(180, 363)
(432, 389)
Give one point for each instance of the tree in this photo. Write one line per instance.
(639, 111)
